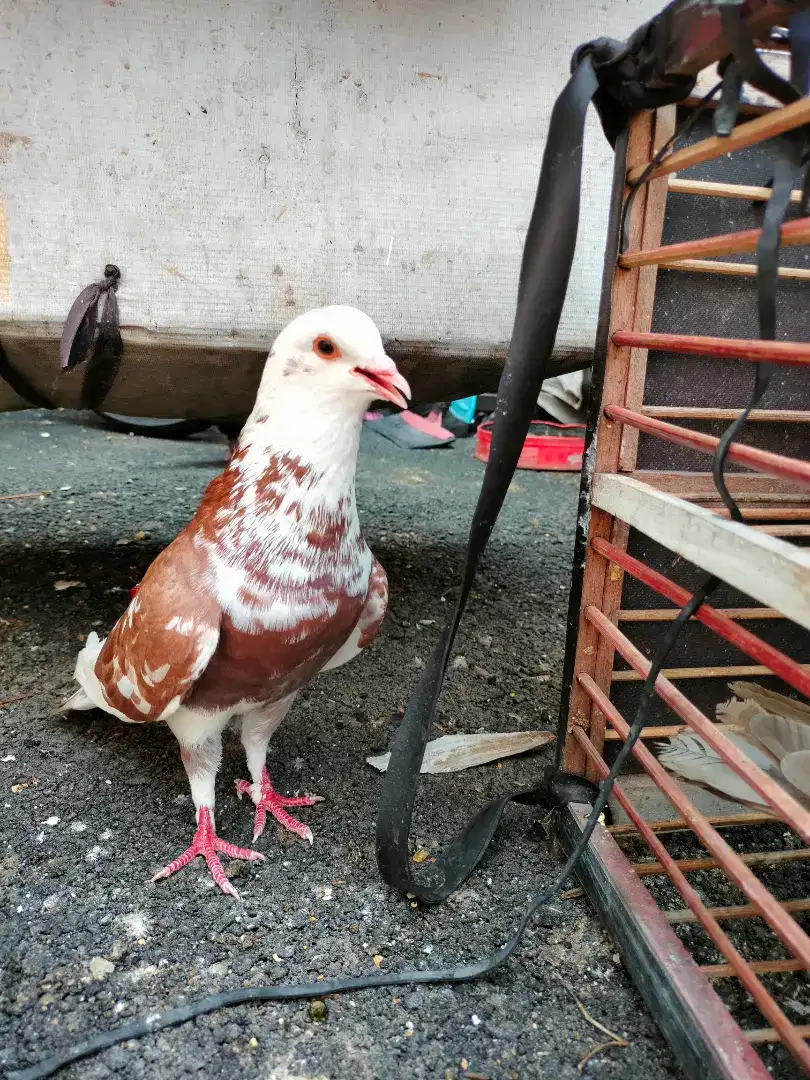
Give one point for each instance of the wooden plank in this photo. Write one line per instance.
(738, 671)
(623, 313)
(645, 297)
(734, 911)
(714, 266)
(678, 412)
(765, 513)
(748, 134)
(749, 192)
(702, 1033)
(775, 573)
(736, 243)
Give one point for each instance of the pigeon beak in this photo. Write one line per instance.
(386, 382)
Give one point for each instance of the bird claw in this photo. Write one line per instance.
(266, 798)
(209, 845)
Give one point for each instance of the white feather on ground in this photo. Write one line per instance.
(777, 741)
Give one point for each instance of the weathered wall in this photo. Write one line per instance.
(243, 162)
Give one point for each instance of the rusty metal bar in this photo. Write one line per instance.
(761, 967)
(751, 858)
(738, 911)
(719, 821)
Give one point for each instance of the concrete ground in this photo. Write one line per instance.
(91, 807)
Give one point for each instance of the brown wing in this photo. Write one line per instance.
(163, 642)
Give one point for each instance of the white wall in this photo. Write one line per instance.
(245, 161)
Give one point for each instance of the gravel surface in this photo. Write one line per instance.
(93, 807)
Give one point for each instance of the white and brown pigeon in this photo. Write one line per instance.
(270, 584)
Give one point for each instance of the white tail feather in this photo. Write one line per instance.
(796, 767)
(691, 757)
(780, 734)
(91, 695)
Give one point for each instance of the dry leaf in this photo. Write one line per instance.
(452, 753)
(61, 585)
(420, 855)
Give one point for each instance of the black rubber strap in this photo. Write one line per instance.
(20, 385)
(550, 242)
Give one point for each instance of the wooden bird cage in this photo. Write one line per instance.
(674, 366)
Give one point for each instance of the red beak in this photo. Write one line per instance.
(386, 382)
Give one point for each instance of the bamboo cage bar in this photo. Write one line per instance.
(680, 412)
(668, 614)
(748, 134)
(700, 912)
(749, 192)
(787, 670)
(719, 821)
(730, 269)
(749, 456)
(738, 911)
(761, 967)
(765, 786)
(751, 858)
(730, 671)
(778, 352)
(770, 1035)
(737, 243)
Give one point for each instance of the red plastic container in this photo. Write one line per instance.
(560, 453)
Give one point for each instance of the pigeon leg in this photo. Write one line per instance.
(201, 750)
(257, 729)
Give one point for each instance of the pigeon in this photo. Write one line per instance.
(772, 730)
(270, 584)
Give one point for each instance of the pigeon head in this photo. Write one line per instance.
(336, 352)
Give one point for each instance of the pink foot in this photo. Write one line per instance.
(267, 798)
(207, 843)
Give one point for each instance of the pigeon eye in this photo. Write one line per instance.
(326, 348)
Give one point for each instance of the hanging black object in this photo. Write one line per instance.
(86, 338)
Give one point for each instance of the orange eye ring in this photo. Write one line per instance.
(325, 348)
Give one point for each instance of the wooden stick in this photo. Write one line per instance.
(677, 412)
(734, 911)
(766, 513)
(699, 486)
(713, 266)
(719, 821)
(792, 234)
(769, 1035)
(729, 191)
(646, 615)
(783, 530)
(26, 495)
(753, 858)
(748, 134)
(663, 731)
(731, 672)
(761, 967)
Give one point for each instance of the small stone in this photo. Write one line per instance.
(377, 959)
(418, 662)
(318, 1010)
(419, 856)
(101, 968)
(485, 640)
(235, 868)
(460, 664)
(219, 970)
